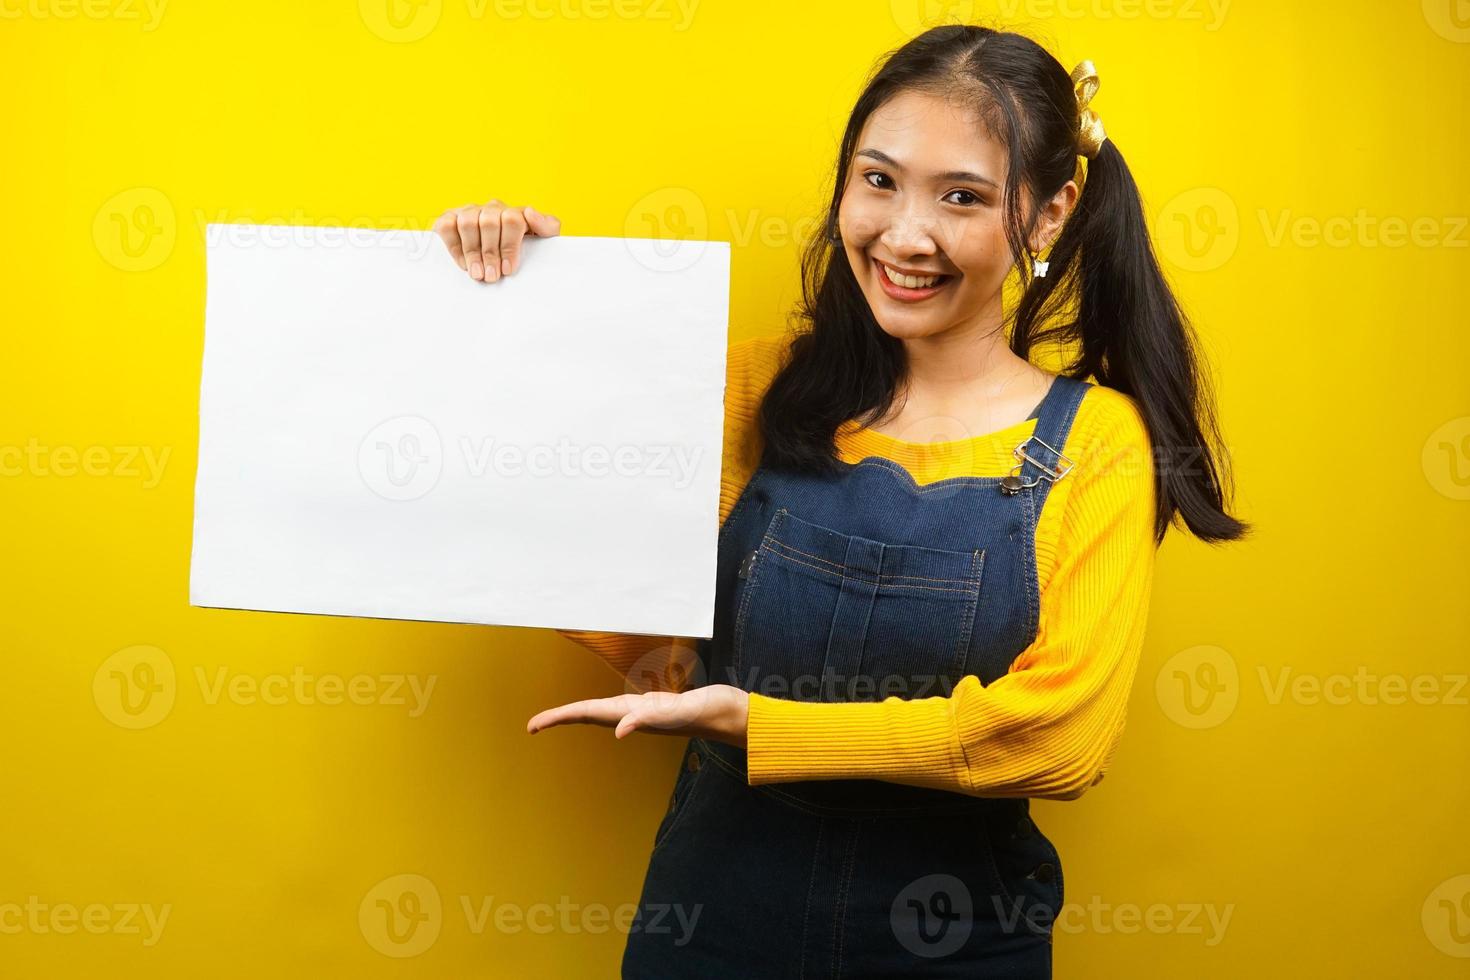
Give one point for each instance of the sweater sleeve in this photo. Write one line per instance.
(1047, 728)
(664, 663)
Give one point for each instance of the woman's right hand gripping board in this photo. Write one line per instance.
(485, 240)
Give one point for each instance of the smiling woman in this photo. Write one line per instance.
(935, 558)
(878, 215)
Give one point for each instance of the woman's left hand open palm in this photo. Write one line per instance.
(715, 711)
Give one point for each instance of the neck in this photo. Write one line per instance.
(960, 364)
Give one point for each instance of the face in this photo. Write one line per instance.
(922, 205)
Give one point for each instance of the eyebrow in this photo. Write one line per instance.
(884, 158)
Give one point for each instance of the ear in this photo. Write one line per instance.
(1052, 216)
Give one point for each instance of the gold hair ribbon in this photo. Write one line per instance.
(1090, 133)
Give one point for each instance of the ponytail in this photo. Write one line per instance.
(1130, 333)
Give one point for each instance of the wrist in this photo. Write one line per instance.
(737, 717)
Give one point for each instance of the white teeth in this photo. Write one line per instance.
(911, 282)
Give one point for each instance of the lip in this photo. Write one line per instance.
(903, 293)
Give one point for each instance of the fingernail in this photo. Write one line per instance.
(492, 273)
(475, 270)
(505, 266)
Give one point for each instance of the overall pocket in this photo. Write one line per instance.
(822, 615)
(690, 766)
(1027, 869)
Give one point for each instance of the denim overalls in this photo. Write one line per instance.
(857, 587)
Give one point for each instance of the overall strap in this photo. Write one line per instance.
(1040, 458)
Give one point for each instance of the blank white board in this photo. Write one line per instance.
(381, 435)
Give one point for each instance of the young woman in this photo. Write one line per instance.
(914, 636)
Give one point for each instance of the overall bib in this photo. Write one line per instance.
(856, 587)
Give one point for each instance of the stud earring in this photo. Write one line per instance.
(1038, 267)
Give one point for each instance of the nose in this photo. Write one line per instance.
(910, 232)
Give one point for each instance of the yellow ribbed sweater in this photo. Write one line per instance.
(1049, 727)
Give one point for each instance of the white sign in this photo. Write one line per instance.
(381, 435)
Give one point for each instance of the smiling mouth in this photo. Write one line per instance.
(906, 287)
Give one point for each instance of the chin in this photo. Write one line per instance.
(908, 327)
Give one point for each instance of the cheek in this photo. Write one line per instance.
(981, 250)
(859, 223)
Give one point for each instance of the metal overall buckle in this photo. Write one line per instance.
(1013, 484)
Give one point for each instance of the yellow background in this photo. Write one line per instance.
(1285, 151)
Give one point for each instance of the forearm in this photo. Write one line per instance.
(998, 748)
(646, 663)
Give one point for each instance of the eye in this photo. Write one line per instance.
(874, 173)
(973, 197)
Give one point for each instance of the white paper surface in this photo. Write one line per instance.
(363, 402)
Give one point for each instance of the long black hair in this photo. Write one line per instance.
(1104, 299)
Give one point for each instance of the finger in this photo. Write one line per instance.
(598, 711)
(467, 221)
(512, 231)
(448, 230)
(490, 218)
(629, 724)
(542, 225)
